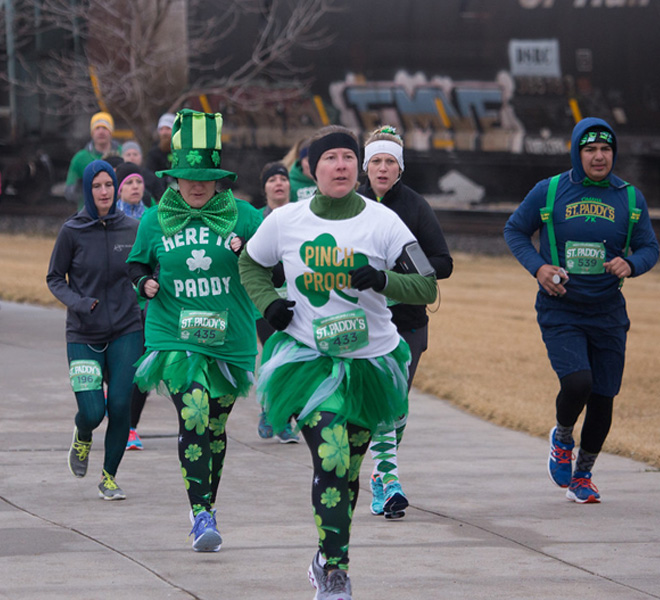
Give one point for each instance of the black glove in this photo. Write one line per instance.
(367, 277)
(279, 313)
(278, 275)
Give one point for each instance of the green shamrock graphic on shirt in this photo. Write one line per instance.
(329, 269)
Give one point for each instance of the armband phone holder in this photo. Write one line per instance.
(413, 260)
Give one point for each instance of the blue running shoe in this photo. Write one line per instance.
(395, 501)
(206, 535)
(378, 495)
(582, 489)
(264, 430)
(134, 442)
(560, 462)
(287, 436)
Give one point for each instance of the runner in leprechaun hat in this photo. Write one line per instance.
(200, 335)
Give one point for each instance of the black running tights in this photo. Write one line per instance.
(574, 395)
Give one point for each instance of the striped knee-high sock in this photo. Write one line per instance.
(383, 449)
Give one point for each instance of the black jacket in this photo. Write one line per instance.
(88, 263)
(416, 213)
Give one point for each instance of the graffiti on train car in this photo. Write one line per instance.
(435, 114)
(432, 114)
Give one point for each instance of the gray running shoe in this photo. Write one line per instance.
(108, 488)
(79, 455)
(330, 585)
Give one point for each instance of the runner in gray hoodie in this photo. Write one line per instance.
(88, 273)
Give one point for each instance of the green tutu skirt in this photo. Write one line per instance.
(297, 380)
(178, 370)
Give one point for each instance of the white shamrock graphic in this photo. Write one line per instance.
(199, 261)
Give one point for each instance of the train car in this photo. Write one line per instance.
(484, 93)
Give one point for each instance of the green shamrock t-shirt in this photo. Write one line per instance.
(201, 305)
(318, 255)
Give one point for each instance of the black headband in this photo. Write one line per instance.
(328, 142)
(277, 169)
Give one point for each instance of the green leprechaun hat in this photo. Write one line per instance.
(197, 147)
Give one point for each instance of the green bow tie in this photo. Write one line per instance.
(603, 183)
(219, 213)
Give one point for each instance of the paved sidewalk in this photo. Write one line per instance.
(485, 522)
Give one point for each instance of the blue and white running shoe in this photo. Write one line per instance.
(560, 461)
(205, 531)
(582, 489)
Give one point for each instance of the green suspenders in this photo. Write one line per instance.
(546, 217)
(635, 213)
(547, 210)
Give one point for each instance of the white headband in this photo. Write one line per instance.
(383, 147)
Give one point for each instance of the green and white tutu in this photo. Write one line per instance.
(178, 369)
(294, 379)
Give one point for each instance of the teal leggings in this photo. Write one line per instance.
(116, 360)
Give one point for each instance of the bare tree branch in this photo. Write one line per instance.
(134, 57)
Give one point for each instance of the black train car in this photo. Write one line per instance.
(485, 93)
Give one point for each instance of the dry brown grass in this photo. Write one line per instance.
(485, 353)
(23, 267)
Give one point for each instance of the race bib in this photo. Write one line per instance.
(585, 258)
(85, 375)
(342, 333)
(203, 327)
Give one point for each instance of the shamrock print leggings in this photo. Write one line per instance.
(202, 443)
(337, 452)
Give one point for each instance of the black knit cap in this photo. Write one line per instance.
(276, 168)
(126, 169)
